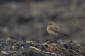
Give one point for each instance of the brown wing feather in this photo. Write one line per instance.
(57, 32)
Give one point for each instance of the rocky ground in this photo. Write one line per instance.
(11, 47)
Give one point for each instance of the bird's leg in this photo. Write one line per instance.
(54, 39)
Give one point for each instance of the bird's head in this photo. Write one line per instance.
(51, 23)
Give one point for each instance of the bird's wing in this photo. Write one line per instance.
(56, 30)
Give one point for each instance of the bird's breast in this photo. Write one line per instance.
(51, 32)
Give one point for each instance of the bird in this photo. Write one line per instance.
(57, 29)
